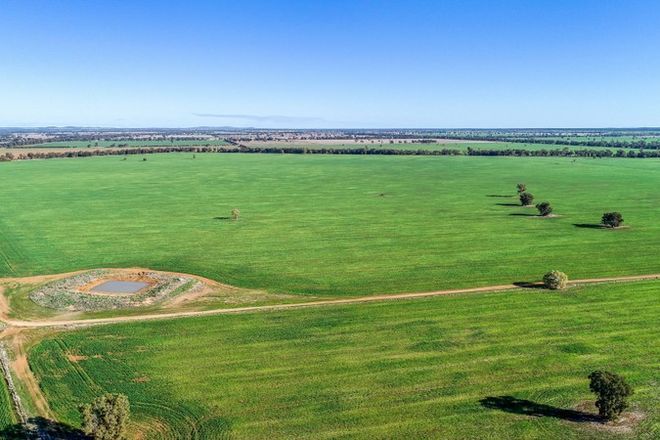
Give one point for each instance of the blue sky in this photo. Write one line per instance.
(412, 63)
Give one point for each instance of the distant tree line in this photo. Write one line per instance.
(239, 148)
(614, 143)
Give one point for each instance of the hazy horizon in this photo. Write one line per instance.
(227, 127)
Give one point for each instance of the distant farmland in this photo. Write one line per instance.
(125, 143)
(329, 225)
(400, 144)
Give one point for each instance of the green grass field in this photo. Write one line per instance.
(408, 369)
(7, 417)
(334, 225)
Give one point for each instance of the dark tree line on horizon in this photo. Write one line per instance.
(630, 144)
(237, 148)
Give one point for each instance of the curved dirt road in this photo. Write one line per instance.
(363, 299)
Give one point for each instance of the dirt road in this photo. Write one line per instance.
(363, 299)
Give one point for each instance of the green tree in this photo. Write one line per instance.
(612, 219)
(544, 208)
(555, 280)
(106, 417)
(521, 187)
(526, 198)
(612, 393)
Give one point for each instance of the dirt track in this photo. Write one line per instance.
(15, 331)
(363, 299)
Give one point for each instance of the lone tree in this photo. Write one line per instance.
(612, 393)
(235, 213)
(544, 209)
(612, 219)
(106, 417)
(555, 280)
(526, 198)
(521, 188)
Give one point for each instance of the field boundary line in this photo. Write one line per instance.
(6, 372)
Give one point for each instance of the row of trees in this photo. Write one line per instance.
(526, 199)
(19, 155)
(612, 219)
(651, 144)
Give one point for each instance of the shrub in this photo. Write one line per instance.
(235, 214)
(526, 199)
(544, 208)
(106, 417)
(612, 219)
(555, 280)
(521, 187)
(612, 393)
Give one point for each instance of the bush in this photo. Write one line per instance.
(235, 214)
(612, 219)
(555, 280)
(612, 393)
(521, 187)
(106, 418)
(526, 199)
(544, 208)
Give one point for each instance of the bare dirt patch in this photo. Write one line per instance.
(546, 216)
(21, 369)
(625, 424)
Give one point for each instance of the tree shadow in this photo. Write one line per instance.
(530, 284)
(39, 427)
(589, 225)
(499, 195)
(527, 407)
(521, 214)
(509, 204)
(221, 218)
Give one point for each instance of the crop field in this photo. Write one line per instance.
(7, 418)
(330, 225)
(444, 367)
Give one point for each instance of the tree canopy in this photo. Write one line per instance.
(106, 417)
(612, 393)
(612, 219)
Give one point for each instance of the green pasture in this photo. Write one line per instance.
(329, 225)
(7, 417)
(453, 367)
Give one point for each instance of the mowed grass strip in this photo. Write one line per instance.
(329, 225)
(406, 369)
